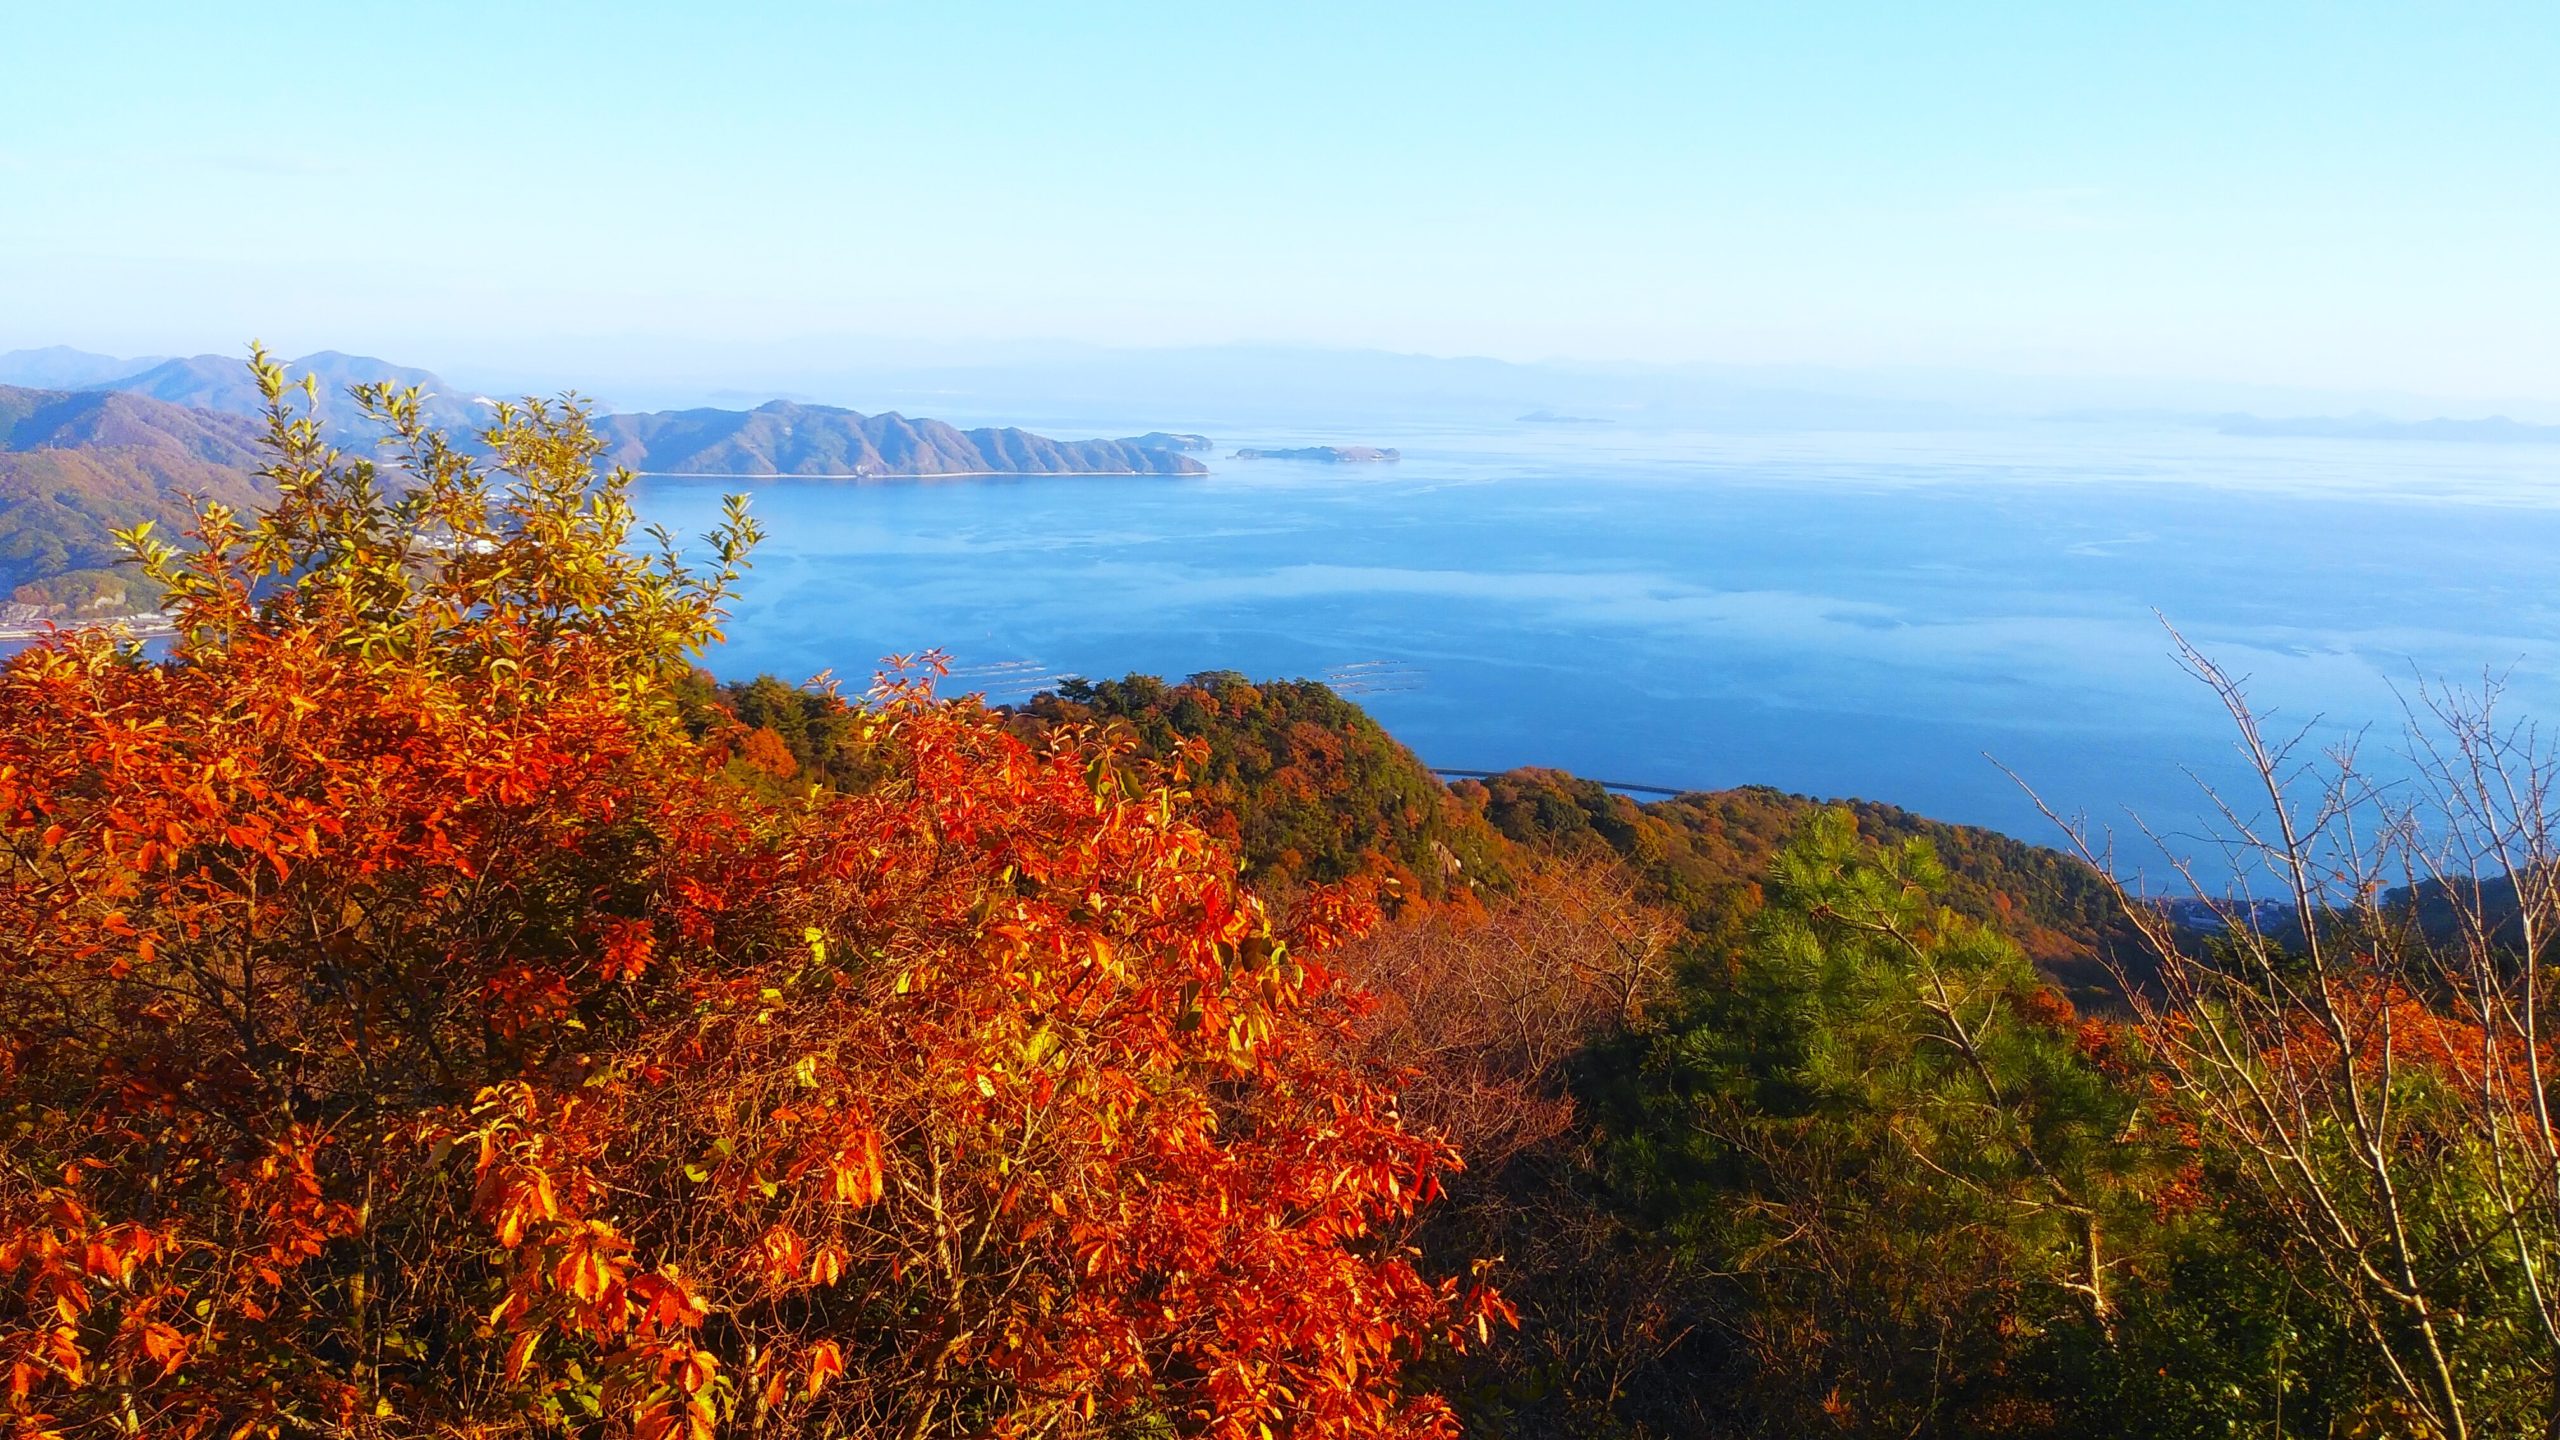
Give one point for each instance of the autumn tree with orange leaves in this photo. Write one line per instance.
(405, 1028)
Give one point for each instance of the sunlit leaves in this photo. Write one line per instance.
(404, 1017)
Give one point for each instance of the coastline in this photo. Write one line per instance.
(153, 629)
(906, 475)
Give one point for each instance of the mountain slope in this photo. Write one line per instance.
(787, 438)
(223, 383)
(211, 382)
(76, 466)
(32, 420)
(1311, 790)
(1705, 853)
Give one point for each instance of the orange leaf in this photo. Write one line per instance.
(520, 1355)
(825, 1363)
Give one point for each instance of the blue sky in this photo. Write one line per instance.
(2332, 194)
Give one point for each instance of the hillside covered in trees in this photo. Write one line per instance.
(1794, 1118)
(430, 1006)
(1313, 789)
(77, 466)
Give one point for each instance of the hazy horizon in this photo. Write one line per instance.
(1010, 380)
(2306, 198)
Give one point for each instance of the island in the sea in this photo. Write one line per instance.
(1325, 454)
(811, 442)
(1549, 417)
(1164, 440)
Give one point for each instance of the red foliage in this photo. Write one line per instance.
(2046, 1006)
(2390, 1031)
(403, 1027)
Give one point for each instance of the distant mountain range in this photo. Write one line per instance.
(1307, 388)
(2495, 430)
(59, 367)
(82, 458)
(222, 382)
(1311, 389)
(778, 438)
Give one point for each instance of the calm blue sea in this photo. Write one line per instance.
(1878, 615)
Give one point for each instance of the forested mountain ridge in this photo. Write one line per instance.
(778, 438)
(1311, 790)
(1582, 992)
(39, 419)
(787, 438)
(78, 461)
(221, 383)
(1308, 787)
(77, 465)
(1704, 854)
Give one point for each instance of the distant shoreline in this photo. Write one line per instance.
(905, 475)
(153, 631)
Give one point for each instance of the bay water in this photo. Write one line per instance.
(1896, 616)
